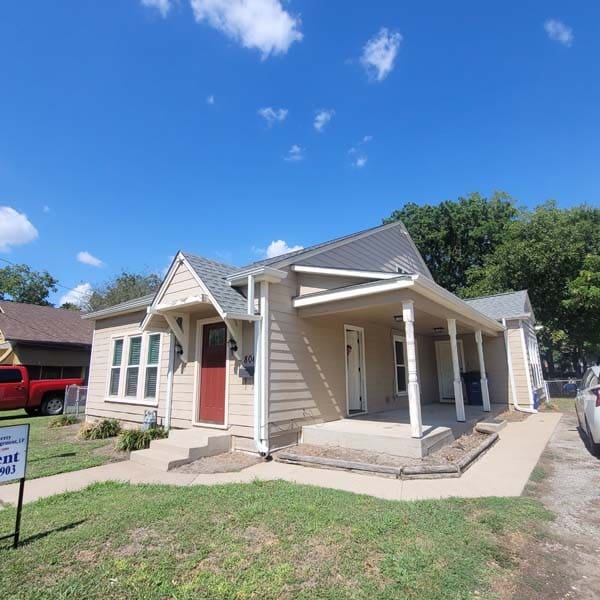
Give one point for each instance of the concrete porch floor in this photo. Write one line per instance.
(389, 431)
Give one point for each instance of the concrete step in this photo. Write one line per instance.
(181, 447)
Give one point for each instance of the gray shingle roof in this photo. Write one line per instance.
(127, 306)
(499, 306)
(213, 276)
(297, 253)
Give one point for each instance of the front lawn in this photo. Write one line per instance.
(57, 450)
(261, 540)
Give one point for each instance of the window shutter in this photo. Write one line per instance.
(151, 377)
(135, 350)
(132, 381)
(114, 382)
(153, 349)
(117, 353)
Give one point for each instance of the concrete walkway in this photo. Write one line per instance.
(502, 471)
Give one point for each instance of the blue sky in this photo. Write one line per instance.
(131, 129)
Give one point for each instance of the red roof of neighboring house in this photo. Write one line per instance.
(43, 324)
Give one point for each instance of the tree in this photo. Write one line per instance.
(121, 288)
(70, 306)
(454, 236)
(20, 284)
(544, 251)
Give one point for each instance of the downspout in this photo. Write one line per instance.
(260, 437)
(511, 374)
(169, 396)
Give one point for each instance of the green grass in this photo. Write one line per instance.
(260, 540)
(57, 449)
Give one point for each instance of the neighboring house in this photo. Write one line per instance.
(353, 326)
(51, 342)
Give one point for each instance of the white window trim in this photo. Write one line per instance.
(138, 399)
(147, 365)
(138, 366)
(198, 376)
(113, 341)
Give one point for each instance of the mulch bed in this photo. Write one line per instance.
(513, 416)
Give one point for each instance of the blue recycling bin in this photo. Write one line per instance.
(472, 381)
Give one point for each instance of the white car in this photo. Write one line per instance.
(587, 405)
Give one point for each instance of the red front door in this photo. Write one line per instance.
(212, 373)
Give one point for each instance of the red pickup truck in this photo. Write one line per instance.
(39, 395)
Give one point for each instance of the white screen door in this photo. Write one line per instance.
(445, 371)
(355, 371)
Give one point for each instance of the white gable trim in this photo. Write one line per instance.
(343, 272)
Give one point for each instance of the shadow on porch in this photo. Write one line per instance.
(390, 432)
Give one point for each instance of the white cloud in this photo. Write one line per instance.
(559, 32)
(379, 53)
(354, 149)
(46, 209)
(273, 115)
(88, 259)
(360, 162)
(278, 247)
(366, 139)
(210, 99)
(323, 117)
(79, 295)
(260, 24)
(295, 153)
(162, 6)
(15, 229)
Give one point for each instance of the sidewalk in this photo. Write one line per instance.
(502, 471)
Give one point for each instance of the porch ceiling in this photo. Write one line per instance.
(381, 309)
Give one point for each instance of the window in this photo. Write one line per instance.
(10, 376)
(115, 369)
(134, 371)
(133, 366)
(400, 364)
(151, 377)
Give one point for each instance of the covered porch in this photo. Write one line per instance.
(390, 432)
(405, 361)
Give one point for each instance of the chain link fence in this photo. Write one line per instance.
(563, 388)
(75, 399)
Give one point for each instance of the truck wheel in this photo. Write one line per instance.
(32, 411)
(52, 405)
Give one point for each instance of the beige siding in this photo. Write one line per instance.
(307, 365)
(97, 404)
(309, 283)
(382, 251)
(182, 285)
(520, 364)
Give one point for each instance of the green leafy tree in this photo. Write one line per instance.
(454, 236)
(20, 284)
(70, 306)
(121, 288)
(544, 251)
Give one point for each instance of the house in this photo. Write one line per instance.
(292, 346)
(51, 342)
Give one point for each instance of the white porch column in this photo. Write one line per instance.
(414, 394)
(485, 393)
(458, 395)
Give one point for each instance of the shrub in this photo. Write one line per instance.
(136, 439)
(63, 421)
(106, 428)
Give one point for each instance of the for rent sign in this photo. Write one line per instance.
(13, 452)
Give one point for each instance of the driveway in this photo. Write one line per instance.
(565, 562)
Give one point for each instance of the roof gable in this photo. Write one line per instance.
(382, 248)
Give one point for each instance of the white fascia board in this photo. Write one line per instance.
(343, 272)
(184, 302)
(241, 317)
(377, 287)
(262, 273)
(436, 292)
(115, 311)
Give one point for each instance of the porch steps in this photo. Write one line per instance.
(183, 446)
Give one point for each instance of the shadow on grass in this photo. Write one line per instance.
(14, 417)
(38, 536)
(63, 455)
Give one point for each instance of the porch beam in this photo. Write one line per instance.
(414, 393)
(458, 394)
(485, 393)
(178, 332)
